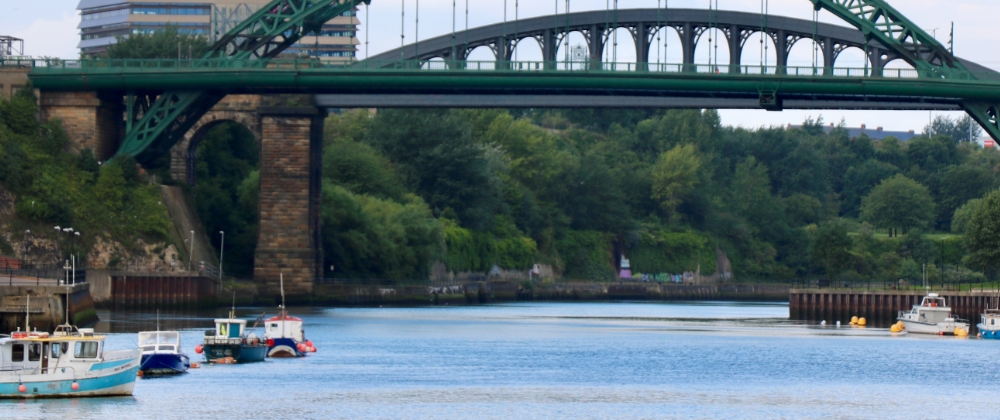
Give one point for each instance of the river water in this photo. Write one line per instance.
(562, 360)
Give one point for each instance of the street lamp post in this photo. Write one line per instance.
(222, 252)
(24, 255)
(190, 250)
(58, 251)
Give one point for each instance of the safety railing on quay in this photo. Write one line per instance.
(43, 66)
(399, 283)
(956, 286)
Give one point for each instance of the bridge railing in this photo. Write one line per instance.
(305, 64)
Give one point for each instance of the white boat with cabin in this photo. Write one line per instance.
(70, 362)
(932, 316)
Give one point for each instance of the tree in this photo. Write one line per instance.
(859, 181)
(831, 246)
(675, 175)
(958, 184)
(165, 43)
(962, 130)
(437, 157)
(963, 214)
(982, 234)
(898, 203)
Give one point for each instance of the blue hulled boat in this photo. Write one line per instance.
(161, 353)
(989, 325)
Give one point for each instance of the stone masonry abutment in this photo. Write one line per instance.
(289, 241)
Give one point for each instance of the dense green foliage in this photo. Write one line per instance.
(982, 235)
(225, 193)
(165, 43)
(55, 185)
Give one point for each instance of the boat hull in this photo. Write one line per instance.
(119, 383)
(284, 348)
(945, 328)
(988, 333)
(164, 363)
(241, 353)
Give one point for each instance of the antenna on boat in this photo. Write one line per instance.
(281, 277)
(67, 292)
(157, 320)
(27, 313)
(232, 312)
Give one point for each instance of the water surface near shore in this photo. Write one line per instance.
(562, 360)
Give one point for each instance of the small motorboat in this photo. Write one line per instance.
(69, 363)
(933, 316)
(284, 334)
(989, 325)
(161, 353)
(230, 343)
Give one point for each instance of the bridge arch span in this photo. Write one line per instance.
(240, 109)
(733, 28)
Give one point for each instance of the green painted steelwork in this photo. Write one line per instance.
(274, 28)
(304, 76)
(878, 20)
(243, 62)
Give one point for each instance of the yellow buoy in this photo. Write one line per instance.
(862, 322)
(902, 326)
(854, 320)
(961, 332)
(895, 329)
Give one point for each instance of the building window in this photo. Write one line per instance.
(337, 33)
(104, 14)
(169, 11)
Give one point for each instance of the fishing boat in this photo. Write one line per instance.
(284, 335)
(161, 353)
(71, 362)
(989, 325)
(933, 316)
(230, 343)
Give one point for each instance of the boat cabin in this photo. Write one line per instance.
(40, 353)
(160, 342)
(932, 309)
(284, 327)
(229, 328)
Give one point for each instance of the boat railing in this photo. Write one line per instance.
(223, 341)
(11, 370)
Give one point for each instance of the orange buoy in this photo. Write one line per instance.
(195, 366)
(76, 386)
(309, 343)
(22, 388)
(198, 349)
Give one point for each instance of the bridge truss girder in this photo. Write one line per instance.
(155, 122)
(879, 21)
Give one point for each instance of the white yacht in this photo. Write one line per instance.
(932, 316)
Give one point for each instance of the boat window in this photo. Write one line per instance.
(148, 348)
(17, 353)
(274, 326)
(34, 352)
(166, 348)
(56, 350)
(85, 350)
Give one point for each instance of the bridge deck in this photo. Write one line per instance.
(628, 83)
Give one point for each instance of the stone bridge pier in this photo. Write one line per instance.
(291, 149)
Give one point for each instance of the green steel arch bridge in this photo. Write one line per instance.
(165, 98)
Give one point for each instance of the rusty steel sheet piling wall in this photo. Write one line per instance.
(154, 291)
(881, 307)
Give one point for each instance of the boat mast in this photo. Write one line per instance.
(281, 277)
(27, 313)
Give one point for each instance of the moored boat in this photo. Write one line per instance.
(230, 343)
(70, 362)
(161, 353)
(933, 316)
(284, 334)
(989, 324)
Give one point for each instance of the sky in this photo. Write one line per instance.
(49, 28)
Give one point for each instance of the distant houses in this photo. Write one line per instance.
(877, 134)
